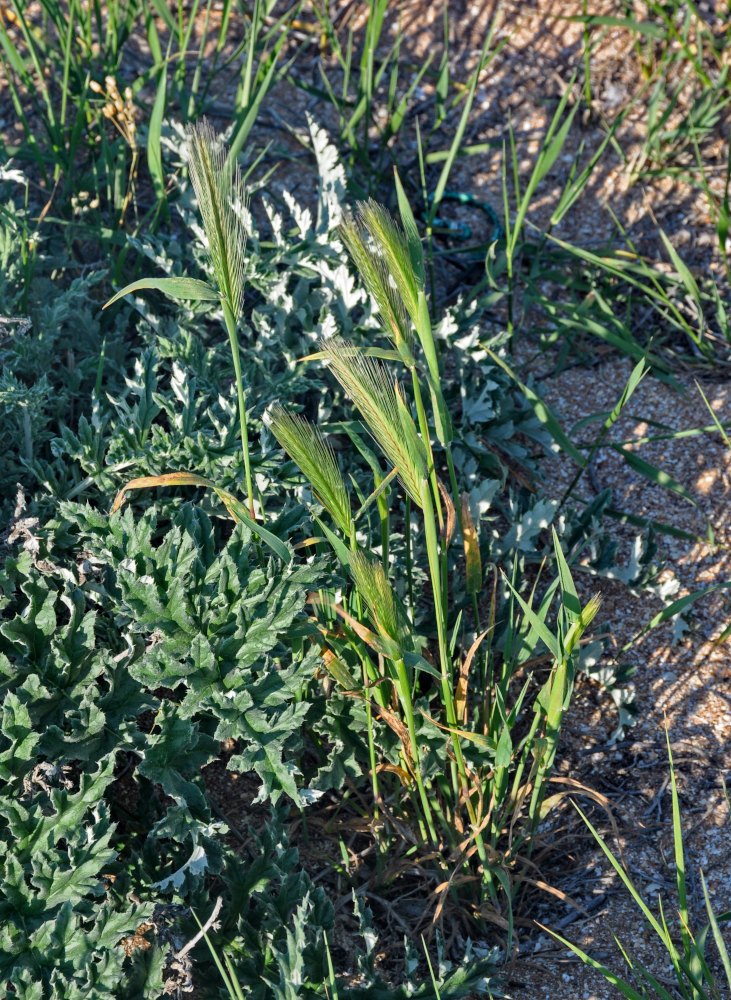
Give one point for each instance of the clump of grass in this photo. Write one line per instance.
(694, 977)
(451, 806)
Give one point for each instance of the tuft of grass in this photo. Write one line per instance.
(685, 949)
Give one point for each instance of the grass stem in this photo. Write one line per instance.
(231, 327)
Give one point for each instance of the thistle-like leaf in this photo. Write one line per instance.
(219, 188)
(384, 608)
(368, 384)
(316, 459)
(374, 271)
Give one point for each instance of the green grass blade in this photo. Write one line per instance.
(649, 915)
(639, 969)
(330, 969)
(396, 117)
(66, 64)
(634, 380)
(383, 485)
(651, 472)
(192, 289)
(717, 422)
(263, 82)
(538, 624)
(571, 601)
(660, 991)
(153, 37)
(717, 936)
(340, 550)
(552, 145)
(542, 411)
(441, 87)
(679, 853)
(648, 522)
(239, 512)
(674, 608)
(689, 282)
(237, 992)
(648, 29)
(154, 133)
(625, 989)
(227, 974)
(482, 63)
(413, 240)
(163, 12)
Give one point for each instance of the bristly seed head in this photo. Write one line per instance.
(392, 243)
(367, 382)
(384, 608)
(316, 459)
(374, 270)
(221, 194)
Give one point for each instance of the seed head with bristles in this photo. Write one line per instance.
(316, 459)
(394, 247)
(367, 382)
(384, 608)
(374, 271)
(219, 187)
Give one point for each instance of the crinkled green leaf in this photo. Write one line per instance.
(175, 748)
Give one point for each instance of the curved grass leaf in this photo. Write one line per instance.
(651, 472)
(192, 289)
(236, 509)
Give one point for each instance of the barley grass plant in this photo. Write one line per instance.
(221, 194)
(462, 809)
